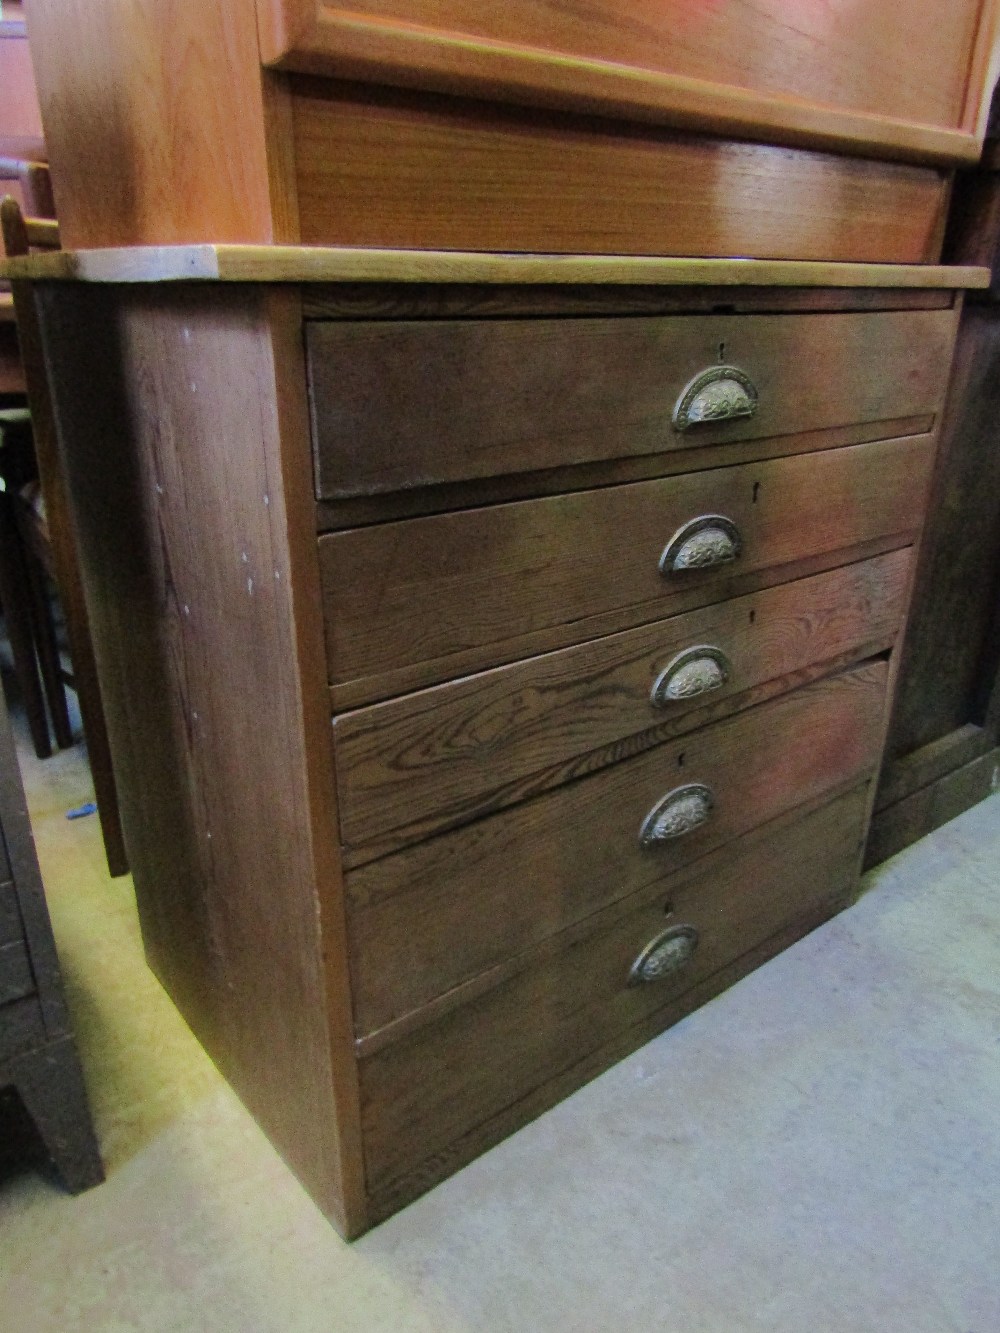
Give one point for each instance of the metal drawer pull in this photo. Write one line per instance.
(722, 393)
(698, 670)
(664, 954)
(681, 811)
(702, 543)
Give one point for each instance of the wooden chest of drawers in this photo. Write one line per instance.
(600, 589)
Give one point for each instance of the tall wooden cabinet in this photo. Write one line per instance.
(498, 489)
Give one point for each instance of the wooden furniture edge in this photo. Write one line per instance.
(302, 263)
(351, 46)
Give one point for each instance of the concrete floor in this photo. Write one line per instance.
(817, 1150)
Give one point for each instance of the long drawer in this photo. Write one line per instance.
(427, 598)
(440, 757)
(410, 403)
(434, 916)
(422, 1094)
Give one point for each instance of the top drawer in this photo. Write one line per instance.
(404, 404)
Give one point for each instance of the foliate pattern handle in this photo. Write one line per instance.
(702, 543)
(664, 954)
(721, 393)
(697, 670)
(680, 812)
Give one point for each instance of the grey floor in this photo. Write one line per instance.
(817, 1150)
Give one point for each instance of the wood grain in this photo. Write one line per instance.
(425, 1091)
(432, 917)
(20, 115)
(413, 403)
(441, 757)
(383, 168)
(154, 121)
(420, 592)
(875, 79)
(192, 513)
(326, 264)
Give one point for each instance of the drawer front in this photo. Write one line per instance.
(457, 592)
(16, 977)
(434, 916)
(402, 404)
(444, 756)
(10, 915)
(421, 1094)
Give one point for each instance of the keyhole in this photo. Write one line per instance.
(753, 616)
(722, 351)
(756, 491)
(680, 760)
(668, 908)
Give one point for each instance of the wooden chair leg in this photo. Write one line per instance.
(14, 594)
(48, 654)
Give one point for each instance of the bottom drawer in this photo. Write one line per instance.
(584, 989)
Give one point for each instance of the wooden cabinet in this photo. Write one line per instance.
(498, 513)
(38, 1059)
(478, 719)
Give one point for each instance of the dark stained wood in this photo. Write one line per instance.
(921, 767)
(424, 1092)
(376, 167)
(11, 928)
(958, 590)
(462, 399)
(904, 821)
(431, 760)
(16, 979)
(38, 1058)
(379, 300)
(432, 917)
(418, 593)
(190, 480)
(54, 540)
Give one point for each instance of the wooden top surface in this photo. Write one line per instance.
(292, 263)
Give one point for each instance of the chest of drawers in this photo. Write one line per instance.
(497, 660)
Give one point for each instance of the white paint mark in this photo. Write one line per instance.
(159, 489)
(250, 586)
(267, 500)
(245, 558)
(187, 334)
(194, 387)
(187, 609)
(208, 836)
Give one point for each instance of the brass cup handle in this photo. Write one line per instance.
(697, 670)
(663, 955)
(702, 543)
(721, 393)
(676, 814)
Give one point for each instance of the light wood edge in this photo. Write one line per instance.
(340, 43)
(293, 263)
(983, 71)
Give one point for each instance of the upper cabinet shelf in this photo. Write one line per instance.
(886, 78)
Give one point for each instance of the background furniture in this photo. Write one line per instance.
(943, 750)
(38, 1059)
(40, 548)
